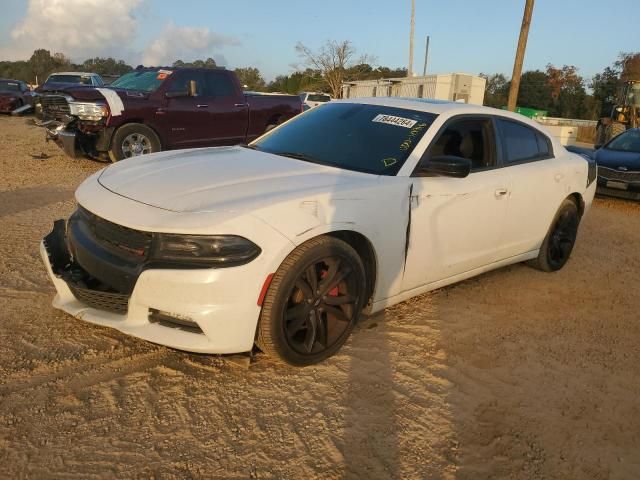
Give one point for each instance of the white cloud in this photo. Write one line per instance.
(77, 28)
(187, 44)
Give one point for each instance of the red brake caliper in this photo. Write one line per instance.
(334, 291)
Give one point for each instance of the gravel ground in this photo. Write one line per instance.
(514, 374)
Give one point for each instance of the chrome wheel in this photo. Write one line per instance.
(136, 144)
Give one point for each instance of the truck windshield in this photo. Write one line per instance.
(364, 138)
(80, 79)
(145, 81)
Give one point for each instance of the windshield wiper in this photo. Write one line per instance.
(299, 156)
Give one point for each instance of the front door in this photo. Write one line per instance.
(186, 119)
(456, 223)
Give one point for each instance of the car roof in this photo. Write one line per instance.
(89, 74)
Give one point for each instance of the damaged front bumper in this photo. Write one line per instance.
(58, 133)
(203, 310)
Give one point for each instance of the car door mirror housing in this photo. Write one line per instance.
(444, 166)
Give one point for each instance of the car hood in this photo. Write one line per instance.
(88, 93)
(616, 159)
(222, 179)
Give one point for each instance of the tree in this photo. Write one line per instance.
(105, 66)
(496, 91)
(605, 89)
(535, 91)
(628, 64)
(208, 63)
(307, 80)
(568, 95)
(250, 76)
(334, 60)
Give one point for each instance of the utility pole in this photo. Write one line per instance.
(413, 17)
(426, 57)
(517, 65)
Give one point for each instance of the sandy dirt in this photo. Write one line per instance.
(515, 374)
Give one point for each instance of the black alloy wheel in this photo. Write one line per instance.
(558, 244)
(313, 302)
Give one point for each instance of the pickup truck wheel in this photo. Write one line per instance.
(133, 140)
(558, 243)
(313, 302)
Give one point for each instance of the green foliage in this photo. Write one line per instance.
(42, 64)
(106, 66)
(250, 76)
(496, 91)
(307, 80)
(208, 63)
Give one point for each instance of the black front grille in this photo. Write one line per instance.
(611, 174)
(54, 107)
(125, 241)
(109, 301)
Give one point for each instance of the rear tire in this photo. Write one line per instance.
(132, 140)
(314, 301)
(561, 237)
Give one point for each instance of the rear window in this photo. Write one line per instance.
(365, 138)
(318, 98)
(79, 79)
(522, 143)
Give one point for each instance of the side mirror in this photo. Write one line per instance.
(191, 86)
(444, 166)
(177, 93)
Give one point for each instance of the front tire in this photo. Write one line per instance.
(133, 140)
(558, 244)
(314, 301)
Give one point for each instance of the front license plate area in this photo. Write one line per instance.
(618, 185)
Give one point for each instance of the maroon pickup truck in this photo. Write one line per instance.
(154, 109)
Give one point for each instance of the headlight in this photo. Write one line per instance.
(88, 111)
(214, 250)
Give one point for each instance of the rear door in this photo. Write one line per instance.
(456, 223)
(537, 185)
(228, 110)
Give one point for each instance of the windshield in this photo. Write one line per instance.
(10, 86)
(145, 80)
(80, 79)
(318, 98)
(628, 141)
(365, 138)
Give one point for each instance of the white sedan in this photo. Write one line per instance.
(348, 208)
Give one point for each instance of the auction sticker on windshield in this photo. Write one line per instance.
(392, 120)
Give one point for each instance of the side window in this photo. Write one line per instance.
(219, 84)
(180, 82)
(522, 143)
(469, 138)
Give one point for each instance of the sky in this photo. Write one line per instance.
(470, 36)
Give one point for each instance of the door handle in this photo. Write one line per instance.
(202, 105)
(239, 105)
(501, 192)
(558, 177)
